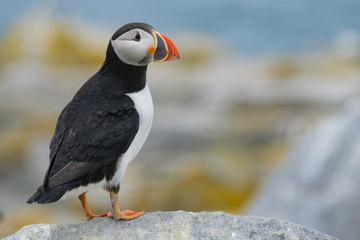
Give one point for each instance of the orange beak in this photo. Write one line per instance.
(165, 49)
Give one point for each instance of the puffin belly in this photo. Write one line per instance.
(144, 107)
(77, 191)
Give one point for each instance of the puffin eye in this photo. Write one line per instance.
(137, 37)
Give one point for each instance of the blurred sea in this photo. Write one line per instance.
(251, 27)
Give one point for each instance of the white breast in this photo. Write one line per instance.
(144, 107)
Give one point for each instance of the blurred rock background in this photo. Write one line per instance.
(242, 114)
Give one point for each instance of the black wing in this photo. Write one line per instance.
(90, 137)
(88, 141)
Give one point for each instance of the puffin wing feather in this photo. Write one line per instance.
(95, 138)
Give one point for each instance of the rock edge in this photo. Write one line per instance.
(173, 225)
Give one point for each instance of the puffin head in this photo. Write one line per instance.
(139, 44)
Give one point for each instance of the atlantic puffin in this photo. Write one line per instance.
(104, 126)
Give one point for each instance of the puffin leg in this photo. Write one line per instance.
(89, 214)
(123, 215)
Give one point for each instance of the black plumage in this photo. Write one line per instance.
(94, 129)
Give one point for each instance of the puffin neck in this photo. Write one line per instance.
(128, 77)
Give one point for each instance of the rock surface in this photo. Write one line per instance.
(173, 225)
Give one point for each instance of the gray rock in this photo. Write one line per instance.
(173, 225)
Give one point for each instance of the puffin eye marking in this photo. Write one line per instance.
(137, 37)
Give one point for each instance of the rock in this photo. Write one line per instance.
(173, 225)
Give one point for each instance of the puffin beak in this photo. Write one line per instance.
(165, 49)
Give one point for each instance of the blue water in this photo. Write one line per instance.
(250, 27)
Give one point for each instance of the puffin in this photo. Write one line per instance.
(102, 129)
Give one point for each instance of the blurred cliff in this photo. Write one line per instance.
(318, 185)
(223, 121)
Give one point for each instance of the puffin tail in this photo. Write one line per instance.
(47, 195)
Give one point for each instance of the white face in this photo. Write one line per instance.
(132, 47)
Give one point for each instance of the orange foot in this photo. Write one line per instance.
(88, 213)
(123, 215)
(126, 215)
(91, 216)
